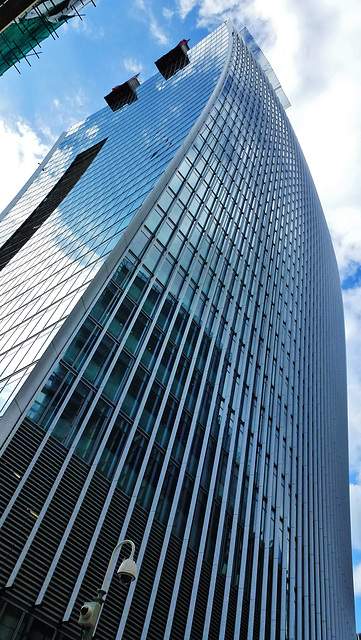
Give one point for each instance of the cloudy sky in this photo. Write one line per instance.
(314, 47)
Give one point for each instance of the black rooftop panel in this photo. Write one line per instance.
(122, 94)
(174, 60)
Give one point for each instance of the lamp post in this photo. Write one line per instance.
(127, 572)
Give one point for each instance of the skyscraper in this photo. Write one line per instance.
(174, 368)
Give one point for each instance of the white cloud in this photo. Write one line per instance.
(167, 13)
(345, 226)
(352, 302)
(355, 497)
(145, 13)
(185, 6)
(211, 9)
(157, 32)
(357, 579)
(132, 65)
(21, 148)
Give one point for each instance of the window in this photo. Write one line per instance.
(114, 447)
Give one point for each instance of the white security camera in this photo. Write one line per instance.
(89, 614)
(127, 571)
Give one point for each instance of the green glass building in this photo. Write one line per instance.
(25, 24)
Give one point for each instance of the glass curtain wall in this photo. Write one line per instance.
(197, 406)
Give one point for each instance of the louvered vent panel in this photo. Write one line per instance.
(165, 589)
(256, 623)
(184, 596)
(13, 466)
(145, 582)
(71, 559)
(18, 526)
(26, 588)
(201, 603)
(232, 607)
(244, 618)
(36, 564)
(217, 608)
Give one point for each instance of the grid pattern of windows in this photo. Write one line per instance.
(42, 283)
(201, 394)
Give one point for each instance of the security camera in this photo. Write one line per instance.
(127, 571)
(89, 614)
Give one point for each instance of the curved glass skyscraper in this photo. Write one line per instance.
(174, 369)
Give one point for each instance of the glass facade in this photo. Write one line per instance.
(48, 275)
(183, 370)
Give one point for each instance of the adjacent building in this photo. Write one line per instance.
(24, 24)
(174, 369)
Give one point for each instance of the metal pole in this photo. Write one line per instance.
(112, 562)
(96, 605)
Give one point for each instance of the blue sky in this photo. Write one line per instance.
(315, 50)
(73, 73)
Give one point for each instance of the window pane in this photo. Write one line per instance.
(167, 493)
(135, 393)
(150, 479)
(82, 344)
(151, 409)
(151, 351)
(73, 414)
(105, 302)
(125, 269)
(121, 318)
(114, 447)
(166, 313)
(138, 285)
(195, 451)
(152, 299)
(167, 422)
(51, 396)
(183, 507)
(117, 377)
(132, 465)
(134, 339)
(96, 366)
(93, 432)
(166, 364)
(180, 440)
